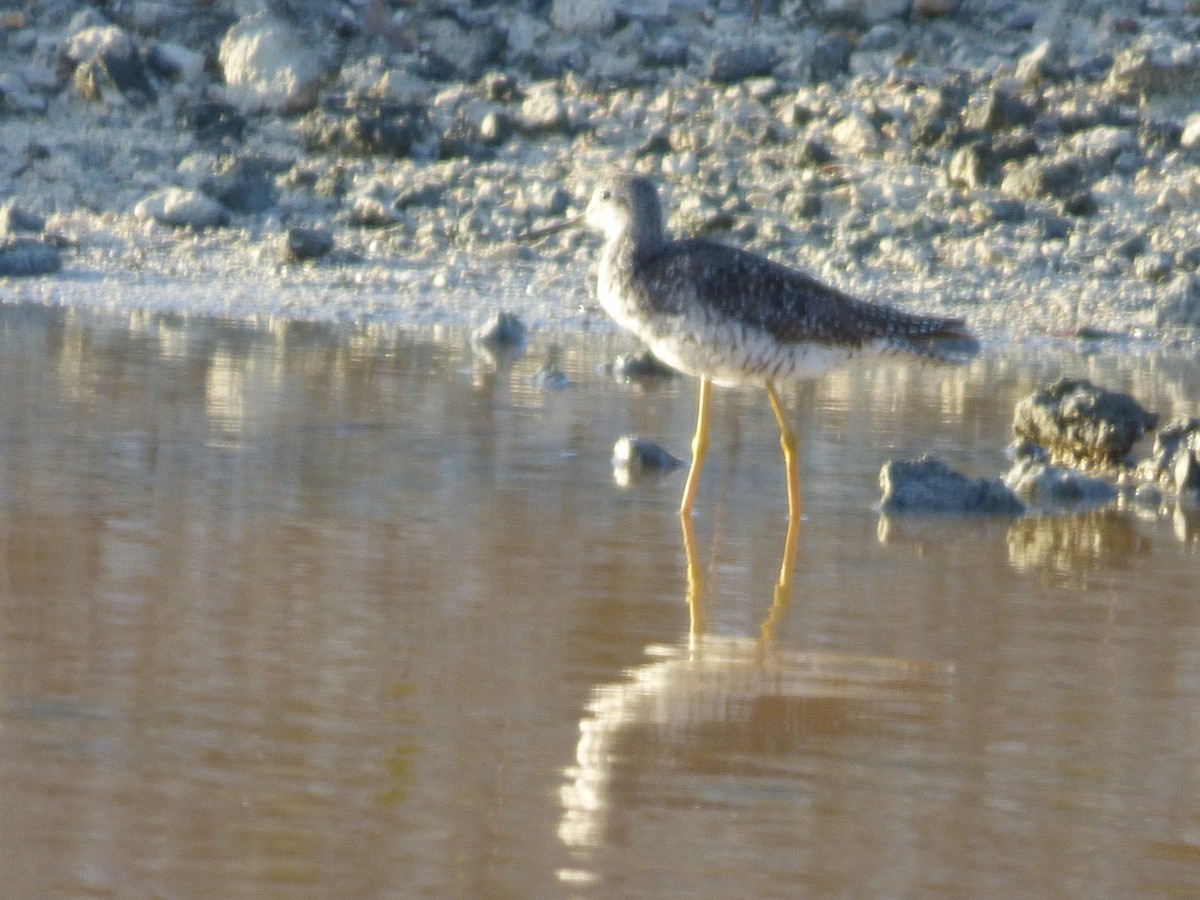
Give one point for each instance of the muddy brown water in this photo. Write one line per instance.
(291, 610)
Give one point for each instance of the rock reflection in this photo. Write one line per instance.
(1072, 544)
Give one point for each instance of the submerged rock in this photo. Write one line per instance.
(1081, 424)
(638, 366)
(502, 329)
(635, 458)
(551, 377)
(27, 257)
(1041, 484)
(1174, 459)
(927, 485)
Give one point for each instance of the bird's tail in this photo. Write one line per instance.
(948, 340)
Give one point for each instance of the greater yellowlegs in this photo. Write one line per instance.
(730, 317)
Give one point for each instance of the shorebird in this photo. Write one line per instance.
(731, 317)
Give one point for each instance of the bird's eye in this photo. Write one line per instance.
(606, 194)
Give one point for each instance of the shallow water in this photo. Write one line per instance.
(300, 611)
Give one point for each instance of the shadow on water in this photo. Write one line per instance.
(315, 611)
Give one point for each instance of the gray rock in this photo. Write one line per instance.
(1189, 138)
(23, 257)
(1158, 67)
(1038, 179)
(858, 12)
(982, 161)
(269, 66)
(212, 120)
(300, 244)
(734, 64)
(1186, 473)
(639, 366)
(1041, 484)
(1045, 62)
(1153, 266)
(543, 111)
(15, 219)
(1179, 303)
(1104, 143)
(667, 51)
(927, 485)
(371, 129)
(15, 94)
(856, 134)
(502, 329)
(550, 378)
(93, 40)
(526, 34)
(1130, 247)
(1081, 424)
(106, 66)
(1188, 257)
(1081, 204)
(180, 208)
(1174, 458)
(968, 166)
(242, 184)
(830, 57)
(114, 78)
(636, 458)
(468, 51)
(1000, 111)
(583, 16)
(176, 62)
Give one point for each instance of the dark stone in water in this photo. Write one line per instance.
(635, 458)
(28, 257)
(502, 329)
(1081, 424)
(927, 485)
(550, 378)
(636, 366)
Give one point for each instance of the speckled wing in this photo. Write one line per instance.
(787, 304)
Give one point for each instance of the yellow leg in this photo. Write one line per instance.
(695, 579)
(783, 588)
(787, 440)
(699, 448)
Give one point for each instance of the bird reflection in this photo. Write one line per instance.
(712, 711)
(782, 594)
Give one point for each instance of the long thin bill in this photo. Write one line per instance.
(549, 229)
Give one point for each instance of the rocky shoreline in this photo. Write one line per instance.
(1034, 168)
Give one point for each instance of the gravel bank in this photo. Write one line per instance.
(1033, 167)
